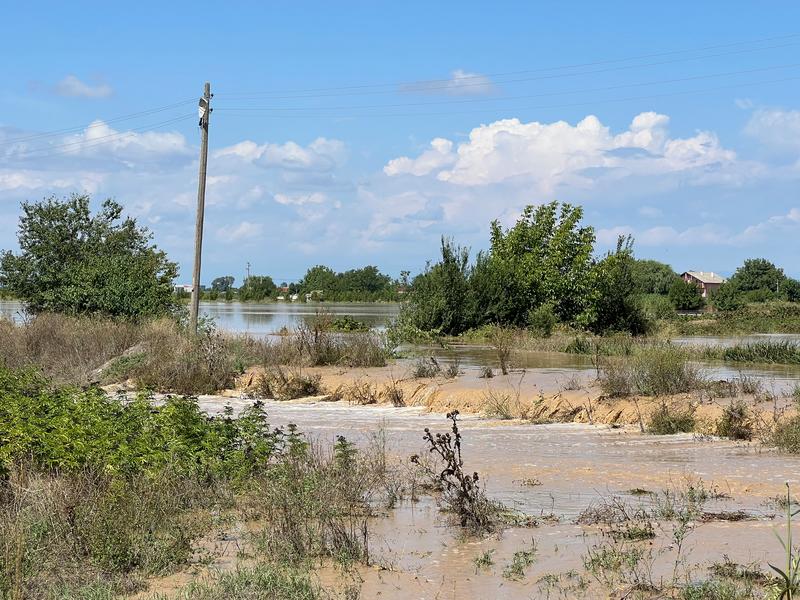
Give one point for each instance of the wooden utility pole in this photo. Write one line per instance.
(204, 110)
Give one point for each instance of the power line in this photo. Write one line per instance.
(94, 124)
(426, 85)
(550, 106)
(106, 139)
(509, 98)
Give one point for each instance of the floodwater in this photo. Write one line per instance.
(575, 466)
(262, 319)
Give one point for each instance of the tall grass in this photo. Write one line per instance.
(770, 351)
(651, 372)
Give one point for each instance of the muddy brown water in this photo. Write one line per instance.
(417, 554)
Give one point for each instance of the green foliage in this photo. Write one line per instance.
(256, 583)
(758, 274)
(77, 263)
(652, 277)
(67, 430)
(438, 297)
(727, 298)
(545, 257)
(685, 295)
(542, 320)
(537, 273)
(222, 284)
(615, 307)
(257, 288)
(667, 420)
(365, 284)
(777, 351)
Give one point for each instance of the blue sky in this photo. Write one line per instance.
(358, 133)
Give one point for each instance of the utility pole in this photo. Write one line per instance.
(204, 111)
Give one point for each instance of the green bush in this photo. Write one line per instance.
(780, 351)
(542, 320)
(667, 420)
(68, 429)
(735, 422)
(787, 435)
(77, 263)
(685, 295)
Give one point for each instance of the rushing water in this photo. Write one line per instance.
(573, 467)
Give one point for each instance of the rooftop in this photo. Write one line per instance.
(706, 276)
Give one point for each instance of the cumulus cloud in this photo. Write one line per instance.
(440, 155)
(460, 83)
(320, 155)
(777, 129)
(789, 221)
(73, 87)
(551, 154)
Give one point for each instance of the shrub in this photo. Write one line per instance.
(667, 420)
(736, 422)
(256, 583)
(425, 368)
(542, 320)
(786, 435)
(651, 372)
(277, 384)
(685, 295)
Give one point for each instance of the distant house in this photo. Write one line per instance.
(708, 282)
(184, 287)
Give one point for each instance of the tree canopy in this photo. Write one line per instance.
(652, 276)
(223, 284)
(74, 262)
(541, 266)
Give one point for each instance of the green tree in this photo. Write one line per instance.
(545, 258)
(685, 295)
(616, 306)
(652, 277)
(758, 279)
(223, 284)
(257, 288)
(319, 277)
(791, 289)
(438, 294)
(74, 262)
(727, 298)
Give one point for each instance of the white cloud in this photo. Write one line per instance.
(440, 155)
(460, 83)
(776, 129)
(243, 231)
(320, 155)
(789, 221)
(548, 155)
(301, 199)
(73, 87)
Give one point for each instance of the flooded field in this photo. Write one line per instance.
(572, 468)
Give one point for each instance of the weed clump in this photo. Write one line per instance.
(668, 420)
(278, 384)
(786, 435)
(462, 494)
(651, 372)
(425, 368)
(736, 422)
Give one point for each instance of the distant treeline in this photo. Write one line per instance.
(320, 283)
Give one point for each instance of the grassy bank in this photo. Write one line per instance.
(160, 355)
